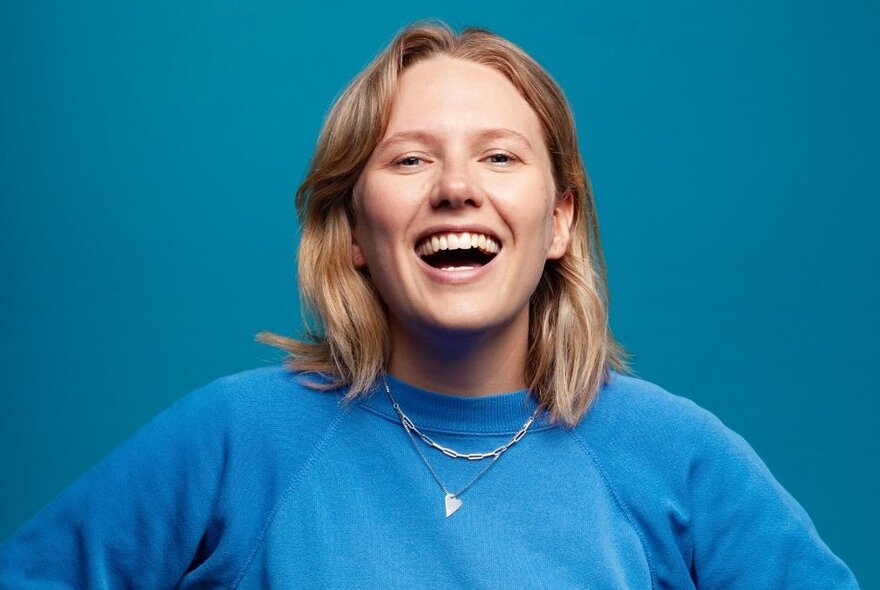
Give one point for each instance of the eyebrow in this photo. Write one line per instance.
(481, 135)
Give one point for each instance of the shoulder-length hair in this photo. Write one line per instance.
(571, 348)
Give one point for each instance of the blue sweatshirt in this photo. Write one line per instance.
(256, 481)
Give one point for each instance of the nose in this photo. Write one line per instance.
(456, 187)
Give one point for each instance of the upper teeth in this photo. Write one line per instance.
(457, 241)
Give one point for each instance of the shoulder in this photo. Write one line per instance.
(236, 446)
(700, 495)
(248, 416)
(267, 395)
(263, 421)
(275, 382)
(196, 484)
(650, 441)
(662, 428)
(628, 404)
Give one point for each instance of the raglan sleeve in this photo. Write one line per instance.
(747, 531)
(136, 519)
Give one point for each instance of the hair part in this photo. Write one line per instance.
(346, 341)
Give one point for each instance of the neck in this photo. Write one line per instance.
(466, 364)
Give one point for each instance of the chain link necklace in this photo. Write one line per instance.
(452, 501)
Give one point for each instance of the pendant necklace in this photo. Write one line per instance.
(452, 501)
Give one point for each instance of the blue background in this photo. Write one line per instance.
(150, 151)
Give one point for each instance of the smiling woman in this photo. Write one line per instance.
(442, 136)
(458, 415)
(459, 162)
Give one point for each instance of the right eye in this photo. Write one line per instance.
(409, 161)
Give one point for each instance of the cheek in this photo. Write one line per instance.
(387, 202)
(537, 213)
(379, 220)
(375, 224)
(365, 205)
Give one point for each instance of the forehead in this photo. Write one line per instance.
(446, 95)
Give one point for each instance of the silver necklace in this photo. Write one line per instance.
(452, 501)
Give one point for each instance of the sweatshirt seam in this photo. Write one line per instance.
(702, 427)
(296, 481)
(620, 504)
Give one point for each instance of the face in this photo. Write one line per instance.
(456, 212)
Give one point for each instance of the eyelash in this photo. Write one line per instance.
(402, 162)
(510, 157)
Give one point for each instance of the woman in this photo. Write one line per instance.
(455, 418)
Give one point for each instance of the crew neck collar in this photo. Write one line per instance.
(502, 413)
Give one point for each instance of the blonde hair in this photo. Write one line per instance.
(570, 344)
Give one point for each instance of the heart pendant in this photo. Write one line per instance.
(452, 504)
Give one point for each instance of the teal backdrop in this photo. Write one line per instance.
(150, 152)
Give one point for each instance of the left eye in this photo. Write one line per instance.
(500, 158)
(409, 161)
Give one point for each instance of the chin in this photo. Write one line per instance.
(473, 322)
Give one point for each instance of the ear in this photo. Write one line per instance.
(357, 256)
(563, 213)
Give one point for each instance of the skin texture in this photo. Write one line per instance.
(463, 150)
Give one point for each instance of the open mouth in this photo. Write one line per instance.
(457, 251)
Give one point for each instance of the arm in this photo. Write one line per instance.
(136, 519)
(748, 532)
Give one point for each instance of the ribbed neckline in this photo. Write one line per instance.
(502, 413)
